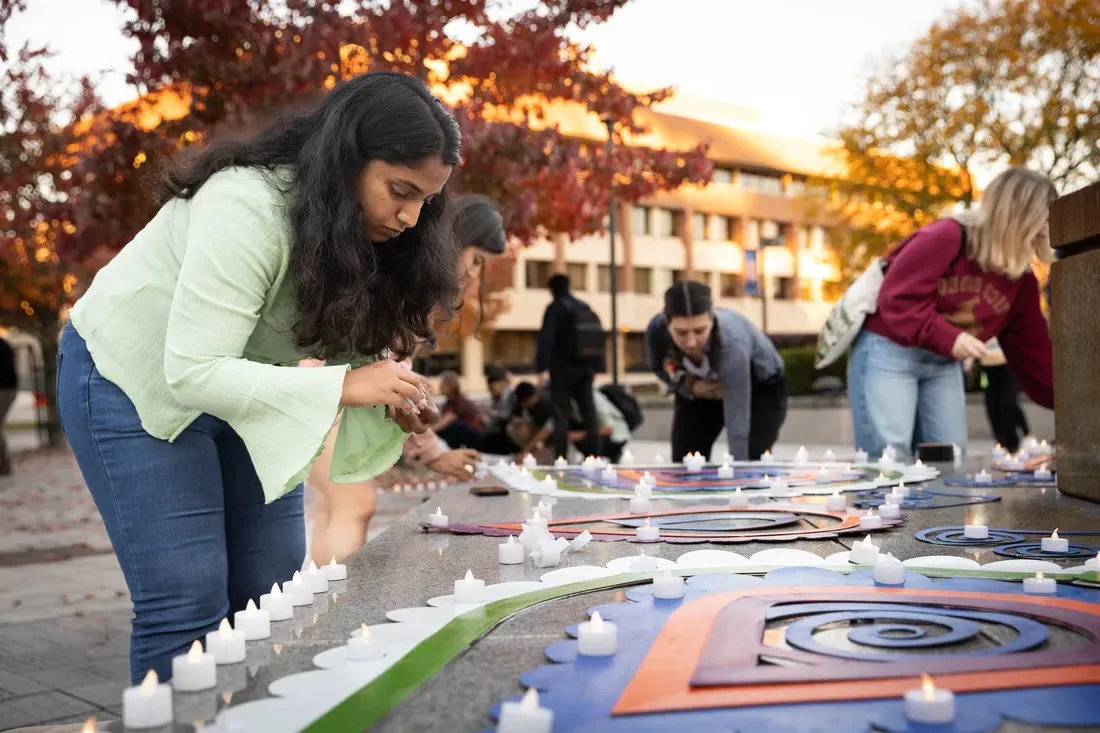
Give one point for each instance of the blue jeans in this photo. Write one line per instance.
(903, 396)
(187, 519)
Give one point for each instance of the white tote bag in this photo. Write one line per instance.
(861, 300)
(847, 317)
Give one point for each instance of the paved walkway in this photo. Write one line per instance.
(64, 608)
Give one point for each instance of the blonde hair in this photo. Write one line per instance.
(1009, 229)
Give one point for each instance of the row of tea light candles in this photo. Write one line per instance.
(925, 704)
(696, 461)
(149, 705)
(888, 570)
(1029, 448)
(778, 486)
(1042, 473)
(1054, 543)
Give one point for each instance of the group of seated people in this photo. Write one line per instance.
(519, 420)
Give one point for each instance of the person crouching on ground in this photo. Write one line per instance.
(724, 372)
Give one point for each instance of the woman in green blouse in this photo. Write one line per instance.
(319, 237)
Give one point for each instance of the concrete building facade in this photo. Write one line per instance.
(701, 233)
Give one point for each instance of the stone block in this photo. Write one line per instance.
(1075, 301)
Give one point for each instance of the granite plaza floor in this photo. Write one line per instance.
(64, 610)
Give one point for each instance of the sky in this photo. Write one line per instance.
(799, 62)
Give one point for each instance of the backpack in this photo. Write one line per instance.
(625, 403)
(582, 334)
(846, 319)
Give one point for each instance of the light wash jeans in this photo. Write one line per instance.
(187, 519)
(903, 396)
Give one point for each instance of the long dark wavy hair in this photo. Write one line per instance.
(354, 297)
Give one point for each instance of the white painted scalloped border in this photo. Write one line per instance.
(301, 698)
(910, 474)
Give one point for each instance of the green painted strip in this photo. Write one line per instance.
(366, 706)
(371, 702)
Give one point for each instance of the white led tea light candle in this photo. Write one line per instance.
(1054, 543)
(226, 644)
(864, 553)
(469, 589)
(335, 571)
(362, 647)
(667, 586)
(438, 518)
(510, 552)
(870, 520)
(929, 704)
(254, 623)
(149, 705)
(648, 532)
(277, 604)
(525, 716)
(194, 670)
(596, 637)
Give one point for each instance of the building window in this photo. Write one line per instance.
(634, 356)
(535, 274)
(785, 288)
(643, 280)
(734, 228)
(762, 184)
(515, 350)
(730, 285)
(639, 222)
(722, 175)
(578, 275)
(720, 228)
(670, 222)
(677, 276)
(603, 278)
(796, 188)
(699, 225)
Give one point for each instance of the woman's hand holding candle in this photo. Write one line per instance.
(386, 382)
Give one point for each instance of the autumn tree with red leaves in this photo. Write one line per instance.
(207, 66)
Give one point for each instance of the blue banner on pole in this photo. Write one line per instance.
(752, 279)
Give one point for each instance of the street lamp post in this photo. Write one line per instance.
(614, 280)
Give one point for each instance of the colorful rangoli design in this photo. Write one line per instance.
(770, 523)
(921, 498)
(1012, 543)
(811, 649)
(677, 482)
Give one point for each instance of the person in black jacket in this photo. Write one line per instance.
(571, 351)
(8, 385)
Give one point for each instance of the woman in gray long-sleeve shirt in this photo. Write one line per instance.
(724, 371)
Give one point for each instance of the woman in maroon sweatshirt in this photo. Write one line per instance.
(948, 289)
